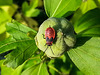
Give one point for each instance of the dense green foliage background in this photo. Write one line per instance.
(19, 23)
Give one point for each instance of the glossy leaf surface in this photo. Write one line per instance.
(59, 8)
(86, 5)
(39, 69)
(89, 24)
(87, 56)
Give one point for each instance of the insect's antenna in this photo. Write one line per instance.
(51, 50)
(43, 36)
(46, 49)
(49, 26)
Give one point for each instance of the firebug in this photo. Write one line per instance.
(49, 36)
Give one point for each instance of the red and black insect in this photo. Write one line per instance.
(49, 36)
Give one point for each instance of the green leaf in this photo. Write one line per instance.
(7, 44)
(75, 71)
(24, 47)
(85, 6)
(32, 61)
(87, 56)
(10, 9)
(28, 63)
(6, 70)
(29, 10)
(88, 24)
(31, 34)
(97, 3)
(4, 35)
(39, 69)
(59, 8)
(18, 70)
(60, 66)
(6, 2)
(4, 18)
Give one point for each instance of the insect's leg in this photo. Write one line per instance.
(46, 49)
(45, 44)
(51, 50)
(43, 36)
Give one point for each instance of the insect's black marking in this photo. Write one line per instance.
(49, 40)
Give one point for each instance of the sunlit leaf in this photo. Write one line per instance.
(89, 24)
(4, 18)
(7, 44)
(39, 69)
(59, 8)
(6, 70)
(23, 46)
(85, 6)
(30, 10)
(32, 61)
(10, 9)
(28, 63)
(87, 56)
(18, 70)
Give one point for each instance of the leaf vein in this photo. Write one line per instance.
(63, 7)
(88, 54)
(82, 58)
(22, 52)
(16, 42)
(56, 8)
(39, 69)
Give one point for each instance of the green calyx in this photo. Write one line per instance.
(64, 39)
